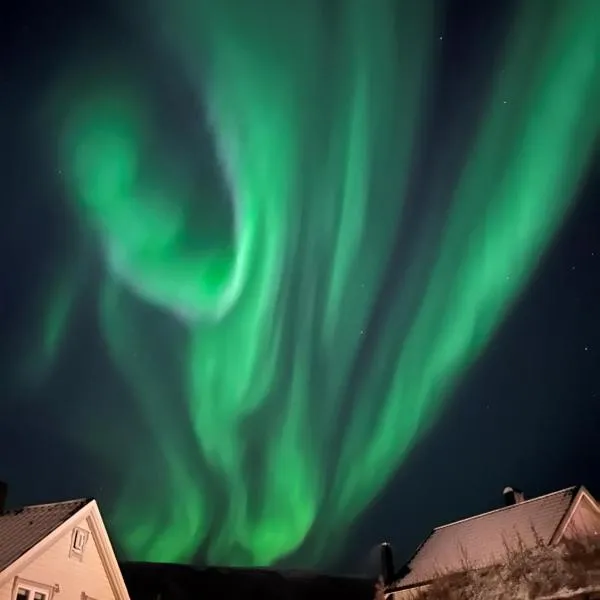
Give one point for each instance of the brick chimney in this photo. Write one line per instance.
(512, 496)
(3, 494)
(387, 563)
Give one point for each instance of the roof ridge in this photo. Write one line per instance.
(45, 504)
(501, 508)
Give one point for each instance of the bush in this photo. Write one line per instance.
(568, 570)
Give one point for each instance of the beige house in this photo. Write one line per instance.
(482, 541)
(57, 551)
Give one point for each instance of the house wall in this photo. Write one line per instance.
(75, 576)
(585, 520)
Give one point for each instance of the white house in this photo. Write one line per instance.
(58, 551)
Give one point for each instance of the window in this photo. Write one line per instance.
(30, 590)
(25, 594)
(79, 539)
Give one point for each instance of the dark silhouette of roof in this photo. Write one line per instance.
(23, 528)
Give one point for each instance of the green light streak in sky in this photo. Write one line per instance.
(271, 286)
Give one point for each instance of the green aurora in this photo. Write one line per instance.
(302, 395)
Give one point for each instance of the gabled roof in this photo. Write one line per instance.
(482, 540)
(22, 529)
(28, 532)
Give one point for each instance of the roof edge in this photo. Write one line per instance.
(406, 565)
(43, 504)
(106, 551)
(501, 508)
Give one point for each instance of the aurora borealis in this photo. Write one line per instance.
(309, 356)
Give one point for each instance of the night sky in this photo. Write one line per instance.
(355, 293)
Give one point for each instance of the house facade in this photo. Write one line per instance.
(483, 540)
(58, 551)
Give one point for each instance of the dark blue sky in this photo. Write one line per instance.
(526, 414)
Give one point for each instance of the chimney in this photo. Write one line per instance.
(387, 563)
(3, 494)
(512, 496)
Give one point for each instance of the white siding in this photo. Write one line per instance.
(585, 520)
(74, 576)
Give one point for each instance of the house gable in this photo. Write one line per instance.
(75, 560)
(582, 520)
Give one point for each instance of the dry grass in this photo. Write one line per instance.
(570, 570)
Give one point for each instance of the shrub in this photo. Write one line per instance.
(568, 570)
